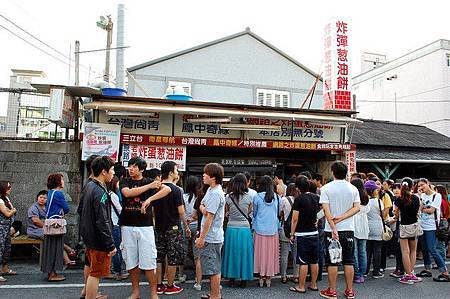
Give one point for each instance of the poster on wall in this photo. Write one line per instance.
(155, 155)
(100, 139)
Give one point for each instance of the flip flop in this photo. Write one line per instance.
(2, 279)
(425, 273)
(206, 296)
(296, 290)
(442, 278)
(313, 289)
(10, 273)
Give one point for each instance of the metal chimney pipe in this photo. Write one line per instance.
(120, 65)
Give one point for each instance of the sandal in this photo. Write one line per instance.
(294, 279)
(313, 289)
(9, 273)
(297, 290)
(284, 280)
(425, 273)
(442, 278)
(2, 279)
(56, 278)
(205, 296)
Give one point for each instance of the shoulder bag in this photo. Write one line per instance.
(240, 211)
(56, 225)
(387, 232)
(442, 227)
(288, 221)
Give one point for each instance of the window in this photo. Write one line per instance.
(448, 59)
(186, 86)
(272, 98)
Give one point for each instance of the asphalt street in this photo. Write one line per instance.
(31, 284)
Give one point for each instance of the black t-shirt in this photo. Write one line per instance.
(307, 205)
(408, 211)
(131, 207)
(166, 209)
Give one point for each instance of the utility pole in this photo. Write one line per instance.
(107, 25)
(395, 105)
(77, 62)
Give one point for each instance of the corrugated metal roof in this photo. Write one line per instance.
(402, 155)
(391, 134)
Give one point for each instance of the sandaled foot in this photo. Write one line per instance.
(2, 279)
(442, 278)
(297, 290)
(9, 272)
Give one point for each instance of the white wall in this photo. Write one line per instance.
(421, 87)
(229, 72)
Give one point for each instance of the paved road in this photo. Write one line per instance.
(34, 286)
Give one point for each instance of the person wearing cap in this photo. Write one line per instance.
(374, 242)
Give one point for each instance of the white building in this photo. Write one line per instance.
(27, 114)
(414, 88)
(238, 69)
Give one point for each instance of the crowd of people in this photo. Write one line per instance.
(133, 220)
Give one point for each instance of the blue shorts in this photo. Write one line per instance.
(307, 250)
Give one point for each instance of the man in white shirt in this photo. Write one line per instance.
(251, 191)
(429, 219)
(340, 201)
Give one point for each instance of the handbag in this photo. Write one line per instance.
(442, 227)
(56, 225)
(408, 231)
(387, 232)
(243, 214)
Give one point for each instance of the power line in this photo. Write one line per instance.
(36, 38)
(34, 46)
(396, 99)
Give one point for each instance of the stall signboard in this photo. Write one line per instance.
(155, 155)
(155, 124)
(350, 160)
(295, 130)
(100, 139)
(336, 74)
(62, 108)
(236, 143)
(184, 128)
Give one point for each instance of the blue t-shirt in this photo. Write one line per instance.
(214, 202)
(58, 203)
(265, 215)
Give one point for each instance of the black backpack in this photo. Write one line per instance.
(288, 221)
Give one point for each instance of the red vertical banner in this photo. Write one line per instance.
(350, 161)
(336, 60)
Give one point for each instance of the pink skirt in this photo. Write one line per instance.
(267, 256)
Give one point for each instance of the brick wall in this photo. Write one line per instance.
(28, 163)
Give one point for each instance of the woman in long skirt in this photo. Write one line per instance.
(266, 213)
(237, 262)
(53, 247)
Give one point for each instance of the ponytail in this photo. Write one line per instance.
(405, 193)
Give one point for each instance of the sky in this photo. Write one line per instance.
(157, 28)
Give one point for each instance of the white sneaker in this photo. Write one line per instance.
(182, 278)
(198, 286)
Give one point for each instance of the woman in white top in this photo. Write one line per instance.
(285, 243)
(375, 228)
(116, 209)
(192, 194)
(361, 232)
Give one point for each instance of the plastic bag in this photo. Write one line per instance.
(335, 251)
